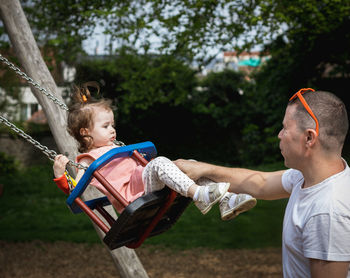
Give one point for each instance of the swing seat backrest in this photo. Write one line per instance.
(149, 215)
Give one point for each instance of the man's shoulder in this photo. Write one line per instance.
(291, 178)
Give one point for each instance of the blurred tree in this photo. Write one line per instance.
(220, 95)
(150, 93)
(314, 53)
(182, 28)
(140, 81)
(294, 33)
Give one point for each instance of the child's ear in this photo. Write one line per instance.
(84, 131)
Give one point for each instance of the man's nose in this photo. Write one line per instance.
(279, 134)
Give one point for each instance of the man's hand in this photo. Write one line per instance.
(193, 169)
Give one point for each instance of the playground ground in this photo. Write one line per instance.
(67, 260)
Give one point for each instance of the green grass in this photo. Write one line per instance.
(258, 228)
(32, 208)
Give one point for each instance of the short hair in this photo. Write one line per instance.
(81, 112)
(331, 114)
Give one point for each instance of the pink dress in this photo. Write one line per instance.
(125, 174)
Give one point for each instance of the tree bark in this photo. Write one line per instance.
(28, 53)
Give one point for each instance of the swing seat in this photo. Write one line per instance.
(149, 215)
(144, 218)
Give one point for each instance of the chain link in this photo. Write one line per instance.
(51, 154)
(35, 84)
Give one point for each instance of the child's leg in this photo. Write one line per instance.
(233, 204)
(162, 171)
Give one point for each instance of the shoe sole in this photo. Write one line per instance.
(242, 207)
(206, 210)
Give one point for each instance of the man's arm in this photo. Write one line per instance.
(325, 269)
(261, 185)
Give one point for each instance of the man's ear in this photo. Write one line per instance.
(84, 131)
(311, 137)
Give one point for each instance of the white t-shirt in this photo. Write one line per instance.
(316, 222)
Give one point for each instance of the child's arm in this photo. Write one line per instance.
(85, 161)
(59, 167)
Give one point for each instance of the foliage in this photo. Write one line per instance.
(158, 99)
(220, 101)
(314, 57)
(186, 29)
(137, 81)
(220, 95)
(63, 24)
(8, 165)
(181, 28)
(36, 130)
(312, 17)
(150, 93)
(9, 83)
(307, 40)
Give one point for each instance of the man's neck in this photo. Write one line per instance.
(320, 168)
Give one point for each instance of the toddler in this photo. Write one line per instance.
(91, 123)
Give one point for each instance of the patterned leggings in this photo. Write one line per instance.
(161, 172)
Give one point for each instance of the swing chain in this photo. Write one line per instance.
(35, 84)
(119, 143)
(70, 182)
(51, 154)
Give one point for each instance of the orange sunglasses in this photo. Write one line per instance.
(299, 95)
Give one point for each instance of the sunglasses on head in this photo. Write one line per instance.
(299, 95)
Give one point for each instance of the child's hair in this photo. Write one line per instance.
(81, 113)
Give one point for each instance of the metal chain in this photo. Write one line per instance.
(57, 101)
(70, 181)
(119, 143)
(51, 154)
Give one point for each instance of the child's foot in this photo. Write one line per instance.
(241, 203)
(210, 194)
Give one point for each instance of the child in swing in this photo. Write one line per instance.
(91, 123)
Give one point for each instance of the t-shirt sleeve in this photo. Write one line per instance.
(290, 178)
(327, 237)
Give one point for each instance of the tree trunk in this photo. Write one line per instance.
(29, 55)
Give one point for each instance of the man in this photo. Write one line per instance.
(316, 227)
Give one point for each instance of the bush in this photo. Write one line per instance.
(8, 165)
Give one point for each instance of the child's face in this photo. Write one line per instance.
(103, 132)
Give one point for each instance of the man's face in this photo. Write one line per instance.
(291, 140)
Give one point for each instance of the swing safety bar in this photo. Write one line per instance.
(146, 148)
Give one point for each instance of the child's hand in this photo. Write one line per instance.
(59, 166)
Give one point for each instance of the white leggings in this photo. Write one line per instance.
(161, 172)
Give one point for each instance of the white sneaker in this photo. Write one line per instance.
(215, 191)
(243, 202)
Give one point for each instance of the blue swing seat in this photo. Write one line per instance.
(149, 215)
